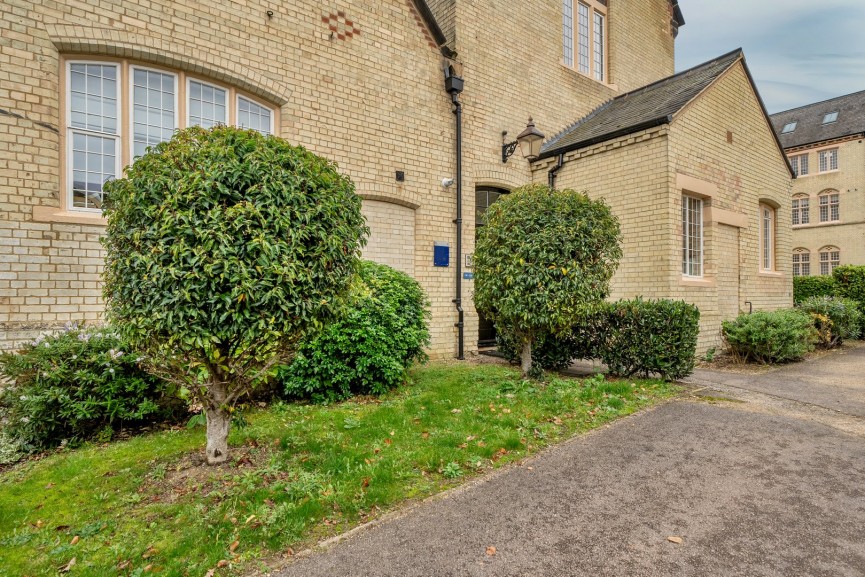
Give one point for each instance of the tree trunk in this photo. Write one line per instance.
(218, 422)
(526, 358)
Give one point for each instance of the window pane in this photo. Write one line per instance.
(692, 236)
(599, 46)
(803, 164)
(93, 97)
(206, 105)
(568, 32)
(153, 108)
(583, 38)
(93, 163)
(251, 115)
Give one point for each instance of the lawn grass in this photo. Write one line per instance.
(299, 473)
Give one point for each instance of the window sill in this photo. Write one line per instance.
(687, 281)
(771, 274)
(52, 214)
(573, 70)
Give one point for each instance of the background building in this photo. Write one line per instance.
(824, 144)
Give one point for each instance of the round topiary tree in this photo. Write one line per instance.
(543, 259)
(223, 248)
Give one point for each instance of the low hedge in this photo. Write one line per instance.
(836, 319)
(648, 337)
(79, 384)
(805, 287)
(771, 336)
(850, 282)
(380, 332)
(631, 337)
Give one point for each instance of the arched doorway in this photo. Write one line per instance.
(484, 197)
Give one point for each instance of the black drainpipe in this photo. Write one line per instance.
(454, 85)
(551, 175)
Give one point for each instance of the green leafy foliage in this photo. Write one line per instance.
(650, 337)
(805, 287)
(379, 333)
(223, 248)
(771, 336)
(850, 282)
(836, 319)
(544, 258)
(76, 385)
(551, 352)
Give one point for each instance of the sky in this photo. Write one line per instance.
(799, 52)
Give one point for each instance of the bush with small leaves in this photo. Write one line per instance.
(648, 337)
(770, 336)
(836, 319)
(805, 287)
(543, 259)
(223, 248)
(379, 333)
(557, 352)
(76, 385)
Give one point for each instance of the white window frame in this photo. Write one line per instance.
(226, 89)
(118, 137)
(789, 127)
(800, 164)
(801, 260)
(827, 263)
(237, 100)
(595, 7)
(687, 264)
(801, 214)
(767, 238)
(131, 102)
(830, 210)
(828, 160)
(568, 30)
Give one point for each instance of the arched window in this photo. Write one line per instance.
(801, 209)
(767, 238)
(801, 262)
(830, 258)
(830, 206)
(115, 109)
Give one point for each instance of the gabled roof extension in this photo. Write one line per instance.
(809, 121)
(646, 107)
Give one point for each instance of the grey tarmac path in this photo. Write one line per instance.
(761, 484)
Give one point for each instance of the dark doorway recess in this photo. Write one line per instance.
(484, 197)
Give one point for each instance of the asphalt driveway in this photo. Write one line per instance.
(756, 474)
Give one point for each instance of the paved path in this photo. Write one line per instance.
(770, 482)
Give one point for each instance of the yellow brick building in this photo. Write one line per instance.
(85, 86)
(824, 142)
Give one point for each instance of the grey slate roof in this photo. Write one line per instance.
(646, 107)
(809, 120)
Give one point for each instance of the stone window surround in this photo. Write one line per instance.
(801, 213)
(65, 213)
(814, 202)
(826, 258)
(801, 262)
(768, 238)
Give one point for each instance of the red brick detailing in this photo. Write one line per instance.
(417, 18)
(343, 27)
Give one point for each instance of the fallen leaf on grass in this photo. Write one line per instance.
(233, 546)
(248, 519)
(676, 540)
(425, 435)
(491, 551)
(68, 566)
(556, 421)
(149, 553)
(75, 540)
(210, 573)
(387, 441)
(123, 565)
(222, 563)
(365, 483)
(455, 411)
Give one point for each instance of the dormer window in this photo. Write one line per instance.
(830, 118)
(789, 127)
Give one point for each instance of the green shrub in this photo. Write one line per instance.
(223, 248)
(556, 352)
(75, 385)
(850, 282)
(379, 334)
(650, 336)
(543, 259)
(805, 287)
(771, 337)
(836, 319)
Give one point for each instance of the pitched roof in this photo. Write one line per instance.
(646, 107)
(809, 120)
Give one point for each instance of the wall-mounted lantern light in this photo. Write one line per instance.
(530, 141)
